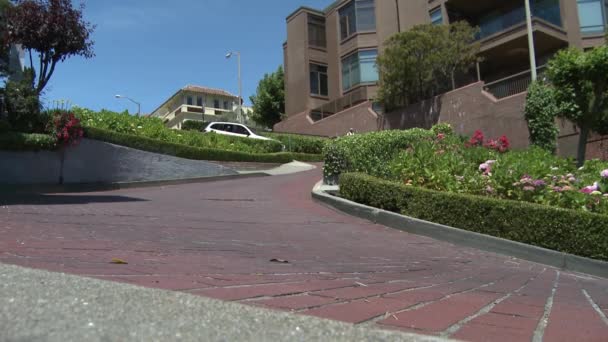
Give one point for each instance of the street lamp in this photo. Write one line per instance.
(130, 99)
(240, 108)
(531, 40)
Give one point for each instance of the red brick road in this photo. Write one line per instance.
(217, 240)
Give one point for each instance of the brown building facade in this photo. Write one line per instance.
(330, 73)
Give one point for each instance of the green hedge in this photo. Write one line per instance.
(153, 128)
(14, 141)
(580, 233)
(369, 153)
(300, 143)
(192, 125)
(189, 152)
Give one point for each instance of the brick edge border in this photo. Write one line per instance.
(564, 261)
(98, 187)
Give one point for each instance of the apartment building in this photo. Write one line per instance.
(197, 103)
(331, 79)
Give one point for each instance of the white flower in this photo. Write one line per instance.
(139, 127)
(554, 168)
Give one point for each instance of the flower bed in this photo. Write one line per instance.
(569, 231)
(478, 166)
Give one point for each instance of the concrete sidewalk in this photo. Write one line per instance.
(43, 306)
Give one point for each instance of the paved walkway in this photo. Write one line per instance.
(218, 239)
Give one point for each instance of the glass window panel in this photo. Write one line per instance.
(316, 31)
(347, 20)
(314, 82)
(437, 16)
(366, 15)
(591, 15)
(189, 100)
(199, 101)
(323, 86)
(369, 73)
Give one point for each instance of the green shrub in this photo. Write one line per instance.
(575, 232)
(443, 128)
(15, 141)
(191, 125)
(300, 143)
(5, 126)
(23, 105)
(190, 152)
(369, 153)
(540, 113)
(153, 128)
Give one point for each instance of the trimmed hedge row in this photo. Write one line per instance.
(189, 152)
(300, 143)
(15, 141)
(579, 233)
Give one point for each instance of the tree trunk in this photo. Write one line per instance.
(582, 146)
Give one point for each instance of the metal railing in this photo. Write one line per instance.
(353, 98)
(512, 85)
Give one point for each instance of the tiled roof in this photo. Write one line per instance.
(205, 90)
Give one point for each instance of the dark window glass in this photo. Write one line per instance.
(592, 15)
(318, 80)
(226, 106)
(199, 101)
(359, 68)
(358, 15)
(366, 15)
(436, 16)
(240, 130)
(316, 31)
(189, 100)
(216, 103)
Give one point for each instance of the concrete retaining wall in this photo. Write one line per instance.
(99, 162)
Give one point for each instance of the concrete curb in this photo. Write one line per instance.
(98, 187)
(462, 237)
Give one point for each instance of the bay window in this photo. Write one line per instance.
(357, 16)
(359, 68)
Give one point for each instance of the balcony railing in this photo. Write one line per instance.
(353, 98)
(547, 10)
(512, 85)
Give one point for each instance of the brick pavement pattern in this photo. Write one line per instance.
(218, 240)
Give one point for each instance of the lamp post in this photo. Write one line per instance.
(240, 104)
(130, 99)
(531, 41)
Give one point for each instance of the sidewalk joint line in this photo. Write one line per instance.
(539, 333)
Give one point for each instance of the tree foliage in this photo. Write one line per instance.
(269, 100)
(540, 113)
(581, 88)
(422, 62)
(54, 29)
(4, 45)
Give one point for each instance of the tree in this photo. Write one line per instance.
(580, 80)
(540, 113)
(422, 62)
(269, 100)
(4, 45)
(53, 29)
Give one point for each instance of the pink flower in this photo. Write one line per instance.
(484, 167)
(528, 188)
(604, 174)
(591, 188)
(440, 136)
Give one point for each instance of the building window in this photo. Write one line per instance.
(592, 15)
(216, 104)
(189, 100)
(226, 105)
(359, 68)
(199, 101)
(316, 31)
(318, 80)
(436, 16)
(358, 15)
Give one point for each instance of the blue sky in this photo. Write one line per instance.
(148, 49)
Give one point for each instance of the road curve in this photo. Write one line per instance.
(264, 242)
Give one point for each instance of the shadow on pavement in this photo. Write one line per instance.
(41, 199)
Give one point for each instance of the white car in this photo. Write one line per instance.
(234, 129)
